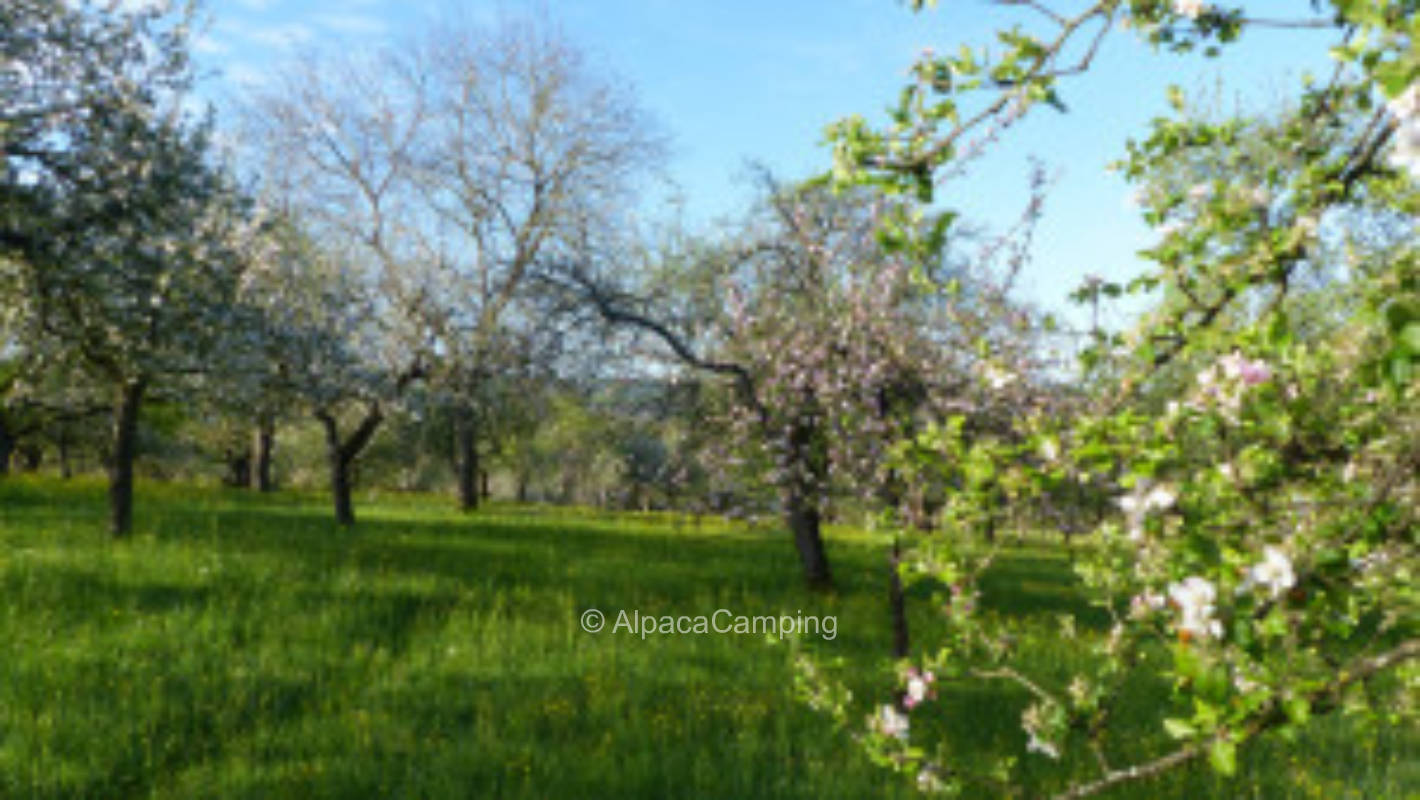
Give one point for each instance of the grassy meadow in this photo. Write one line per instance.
(242, 646)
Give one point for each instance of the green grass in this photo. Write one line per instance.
(243, 646)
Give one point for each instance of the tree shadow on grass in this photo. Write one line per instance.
(1023, 584)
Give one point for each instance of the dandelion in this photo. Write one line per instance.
(1274, 571)
(1194, 597)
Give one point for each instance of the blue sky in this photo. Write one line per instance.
(735, 81)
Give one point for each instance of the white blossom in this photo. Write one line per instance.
(1194, 597)
(918, 686)
(891, 722)
(1142, 501)
(1192, 9)
(1406, 105)
(1274, 571)
(1038, 745)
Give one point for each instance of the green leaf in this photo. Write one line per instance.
(1401, 370)
(1410, 337)
(1223, 755)
(1179, 728)
(1298, 709)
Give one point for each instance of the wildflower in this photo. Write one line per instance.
(1274, 571)
(1199, 192)
(1194, 598)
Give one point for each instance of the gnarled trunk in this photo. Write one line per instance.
(807, 469)
(802, 517)
(341, 455)
(125, 451)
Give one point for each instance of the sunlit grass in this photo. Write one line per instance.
(244, 646)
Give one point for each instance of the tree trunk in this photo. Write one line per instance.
(7, 446)
(807, 458)
(125, 450)
(803, 519)
(238, 469)
(466, 457)
(31, 456)
(341, 455)
(262, 445)
(483, 485)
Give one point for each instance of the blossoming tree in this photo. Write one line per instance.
(835, 346)
(127, 240)
(1262, 559)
